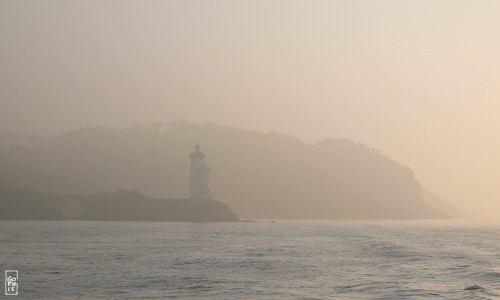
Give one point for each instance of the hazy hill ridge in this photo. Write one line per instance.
(258, 175)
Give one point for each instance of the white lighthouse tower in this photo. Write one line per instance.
(199, 175)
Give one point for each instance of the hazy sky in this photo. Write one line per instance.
(420, 80)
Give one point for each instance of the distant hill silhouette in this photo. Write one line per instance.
(258, 175)
(440, 205)
(19, 204)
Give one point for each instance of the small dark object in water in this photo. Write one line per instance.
(474, 287)
(272, 221)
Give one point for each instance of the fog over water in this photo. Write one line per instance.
(416, 79)
(282, 260)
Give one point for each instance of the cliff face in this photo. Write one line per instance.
(258, 175)
(18, 204)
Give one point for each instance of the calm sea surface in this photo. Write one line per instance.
(263, 260)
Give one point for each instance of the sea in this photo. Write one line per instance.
(292, 259)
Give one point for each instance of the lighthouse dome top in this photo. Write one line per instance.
(197, 153)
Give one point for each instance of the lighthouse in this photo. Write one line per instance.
(199, 176)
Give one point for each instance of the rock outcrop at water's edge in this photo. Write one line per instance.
(19, 204)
